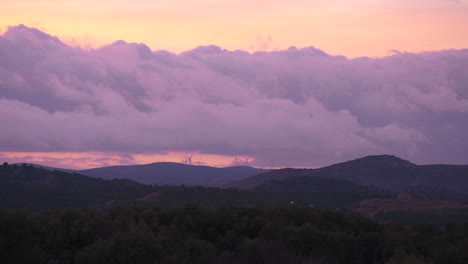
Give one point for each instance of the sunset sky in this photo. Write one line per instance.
(346, 27)
(95, 83)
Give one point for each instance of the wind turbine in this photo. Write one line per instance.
(236, 160)
(247, 161)
(189, 159)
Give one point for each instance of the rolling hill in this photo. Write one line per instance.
(384, 171)
(30, 188)
(36, 189)
(169, 173)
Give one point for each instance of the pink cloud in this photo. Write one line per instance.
(299, 107)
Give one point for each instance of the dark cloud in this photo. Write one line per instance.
(298, 107)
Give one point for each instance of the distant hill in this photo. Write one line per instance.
(383, 171)
(36, 189)
(168, 173)
(29, 188)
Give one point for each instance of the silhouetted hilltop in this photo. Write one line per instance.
(167, 173)
(376, 161)
(30, 188)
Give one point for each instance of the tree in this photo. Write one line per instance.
(5, 164)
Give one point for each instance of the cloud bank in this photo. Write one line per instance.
(298, 107)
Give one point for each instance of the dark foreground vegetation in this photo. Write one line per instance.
(436, 218)
(148, 234)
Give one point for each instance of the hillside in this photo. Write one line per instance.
(30, 188)
(414, 211)
(306, 191)
(173, 196)
(384, 171)
(323, 185)
(36, 189)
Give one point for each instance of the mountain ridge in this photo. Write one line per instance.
(384, 171)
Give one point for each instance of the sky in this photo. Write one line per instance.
(299, 84)
(367, 27)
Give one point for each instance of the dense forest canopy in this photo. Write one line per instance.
(143, 234)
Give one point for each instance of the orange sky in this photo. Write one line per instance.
(352, 27)
(86, 160)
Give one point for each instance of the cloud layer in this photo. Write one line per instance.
(298, 107)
